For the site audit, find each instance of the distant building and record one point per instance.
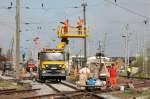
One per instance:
(94, 59)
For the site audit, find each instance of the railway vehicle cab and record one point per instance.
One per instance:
(52, 64)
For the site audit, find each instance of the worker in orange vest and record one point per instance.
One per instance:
(113, 75)
(80, 25)
(23, 72)
(31, 71)
(75, 72)
(66, 26)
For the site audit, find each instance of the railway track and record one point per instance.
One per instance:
(132, 77)
(6, 90)
(18, 91)
(61, 90)
(66, 90)
(15, 93)
(138, 82)
(142, 84)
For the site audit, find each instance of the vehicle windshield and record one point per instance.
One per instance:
(52, 56)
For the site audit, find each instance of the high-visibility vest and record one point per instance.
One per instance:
(23, 72)
(80, 23)
(66, 25)
(113, 72)
(129, 69)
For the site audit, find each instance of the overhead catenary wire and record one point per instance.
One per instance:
(68, 7)
(115, 3)
(127, 9)
(42, 7)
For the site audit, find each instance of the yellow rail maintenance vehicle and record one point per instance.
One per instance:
(52, 64)
(52, 61)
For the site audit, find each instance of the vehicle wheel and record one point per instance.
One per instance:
(42, 80)
(59, 80)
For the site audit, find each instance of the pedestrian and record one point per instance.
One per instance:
(128, 72)
(113, 75)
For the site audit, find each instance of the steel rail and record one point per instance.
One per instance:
(18, 91)
(73, 87)
(5, 90)
(143, 78)
(55, 89)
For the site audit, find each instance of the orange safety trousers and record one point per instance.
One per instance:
(23, 72)
(113, 81)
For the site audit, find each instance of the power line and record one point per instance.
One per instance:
(32, 8)
(127, 9)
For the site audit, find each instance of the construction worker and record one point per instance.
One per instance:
(4, 69)
(33, 75)
(31, 72)
(84, 74)
(128, 72)
(23, 72)
(80, 25)
(113, 75)
(66, 26)
(104, 73)
(76, 70)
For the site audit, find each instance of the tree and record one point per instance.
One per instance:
(139, 61)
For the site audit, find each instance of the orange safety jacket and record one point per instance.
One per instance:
(80, 23)
(113, 72)
(66, 26)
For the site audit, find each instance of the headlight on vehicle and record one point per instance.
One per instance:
(44, 71)
(46, 65)
(63, 72)
(58, 71)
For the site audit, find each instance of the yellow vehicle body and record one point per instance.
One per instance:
(52, 64)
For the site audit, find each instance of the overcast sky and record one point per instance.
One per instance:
(103, 17)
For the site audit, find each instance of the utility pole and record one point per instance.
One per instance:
(126, 36)
(104, 47)
(98, 57)
(17, 38)
(84, 4)
(144, 50)
(100, 51)
(127, 42)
